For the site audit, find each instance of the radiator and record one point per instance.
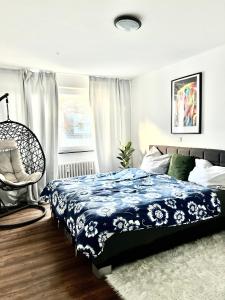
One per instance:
(76, 169)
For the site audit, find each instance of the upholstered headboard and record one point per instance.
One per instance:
(216, 157)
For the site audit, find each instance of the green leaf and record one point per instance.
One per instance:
(120, 158)
(129, 144)
(125, 154)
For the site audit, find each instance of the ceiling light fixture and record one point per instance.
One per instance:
(127, 23)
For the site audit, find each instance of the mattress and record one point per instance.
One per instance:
(95, 207)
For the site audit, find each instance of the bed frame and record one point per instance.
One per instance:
(128, 246)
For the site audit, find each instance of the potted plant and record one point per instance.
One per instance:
(125, 154)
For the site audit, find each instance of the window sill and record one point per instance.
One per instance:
(74, 151)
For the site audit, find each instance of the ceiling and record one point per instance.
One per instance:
(78, 36)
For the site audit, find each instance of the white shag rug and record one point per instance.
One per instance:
(192, 271)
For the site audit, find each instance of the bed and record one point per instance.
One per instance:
(120, 216)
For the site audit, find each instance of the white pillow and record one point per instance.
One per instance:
(204, 173)
(202, 163)
(153, 152)
(155, 162)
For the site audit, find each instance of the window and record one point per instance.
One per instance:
(75, 126)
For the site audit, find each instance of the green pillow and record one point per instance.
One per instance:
(180, 166)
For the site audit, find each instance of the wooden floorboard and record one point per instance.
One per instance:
(38, 262)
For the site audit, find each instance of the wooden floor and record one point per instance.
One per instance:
(38, 262)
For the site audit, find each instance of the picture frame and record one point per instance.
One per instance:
(186, 104)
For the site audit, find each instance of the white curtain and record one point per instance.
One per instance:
(10, 83)
(110, 101)
(40, 107)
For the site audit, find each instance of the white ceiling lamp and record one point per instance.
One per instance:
(127, 23)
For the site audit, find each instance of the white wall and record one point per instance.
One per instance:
(151, 104)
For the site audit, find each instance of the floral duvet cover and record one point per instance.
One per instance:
(94, 207)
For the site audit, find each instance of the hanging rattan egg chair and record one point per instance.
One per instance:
(22, 163)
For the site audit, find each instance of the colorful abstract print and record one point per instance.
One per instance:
(186, 105)
(95, 207)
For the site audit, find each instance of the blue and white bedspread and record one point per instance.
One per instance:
(94, 207)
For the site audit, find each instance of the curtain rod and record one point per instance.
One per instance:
(65, 73)
(15, 68)
(22, 68)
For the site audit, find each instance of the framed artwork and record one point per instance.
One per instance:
(186, 100)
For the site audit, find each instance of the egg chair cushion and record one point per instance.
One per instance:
(14, 197)
(12, 171)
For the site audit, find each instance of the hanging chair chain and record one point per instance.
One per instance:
(5, 96)
(7, 106)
